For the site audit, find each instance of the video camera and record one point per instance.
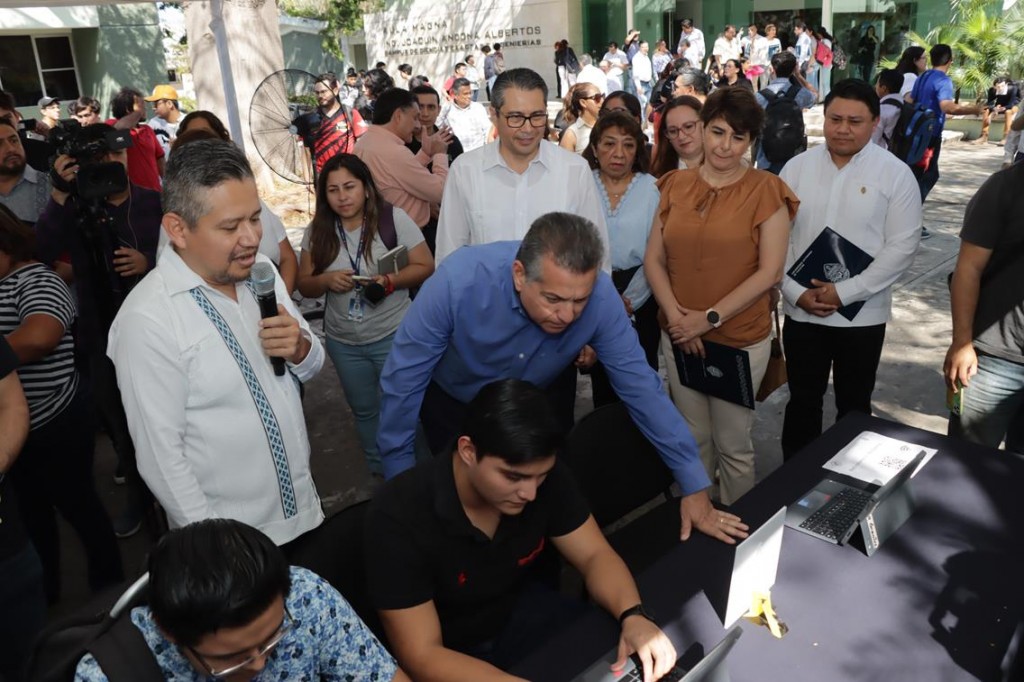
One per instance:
(95, 179)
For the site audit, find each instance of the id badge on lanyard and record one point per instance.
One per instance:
(355, 304)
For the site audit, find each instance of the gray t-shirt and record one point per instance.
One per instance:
(379, 320)
(995, 220)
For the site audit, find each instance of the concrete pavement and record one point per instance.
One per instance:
(909, 387)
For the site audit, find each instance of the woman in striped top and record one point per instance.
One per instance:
(54, 470)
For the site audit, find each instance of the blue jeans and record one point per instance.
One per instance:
(359, 369)
(993, 405)
(824, 82)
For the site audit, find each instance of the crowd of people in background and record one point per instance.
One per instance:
(473, 261)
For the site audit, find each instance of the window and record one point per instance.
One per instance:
(38, 66)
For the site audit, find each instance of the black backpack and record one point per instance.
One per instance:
(783, 136)
(103, 629)
(914, 131)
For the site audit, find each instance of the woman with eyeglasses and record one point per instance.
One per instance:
(716, 249)
(351, 229)
(617, 153)
(732, 75)
(581, 107)
(680, 137)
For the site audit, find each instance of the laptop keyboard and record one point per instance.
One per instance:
(835, 517)
(635, 673)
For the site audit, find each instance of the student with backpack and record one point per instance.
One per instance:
(352, 228)
(887, 87)
(784, 101)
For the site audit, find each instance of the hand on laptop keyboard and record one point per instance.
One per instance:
(645, 640)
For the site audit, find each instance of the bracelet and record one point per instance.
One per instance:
(637, 610)
(389, 285)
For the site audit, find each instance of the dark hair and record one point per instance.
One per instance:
(855, 89)
(572, 103)
(628, 99)
(627, 124)
(417, 81)
(123, 102)
(512, 419)
(941, 55)
(907, 59)
(193, 135)
(459, 83)
(613, 44)
(800, 25)
(891, 80)
(329, 78)
(572, 241)
(823, 33)
(207, 116)
(74, 106)
(457, 66)
(389, 102)
(7, 101)
(425, 90)
(520, 79)
(666, 158)
(324, 243)
(16, 239)
(8, 120)
(214, 574)
(687, 23)
(737, 64)
(196, 168)
(497, 47)
(736, 106)
(783, 64)
(351, 73)
(405, 68)
(380, 65)
(377, 81)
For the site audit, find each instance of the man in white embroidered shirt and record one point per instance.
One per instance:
(870, 198)
(193, 360)
(495, 192)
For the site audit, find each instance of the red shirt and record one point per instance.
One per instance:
(337, 135)
(142, 157)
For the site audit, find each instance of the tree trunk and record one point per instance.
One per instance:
(249, 50)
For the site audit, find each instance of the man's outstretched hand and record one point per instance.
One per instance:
(697, 512)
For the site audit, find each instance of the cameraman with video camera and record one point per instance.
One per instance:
(111, 228)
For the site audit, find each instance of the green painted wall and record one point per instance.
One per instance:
(303, 51)
(126, 50)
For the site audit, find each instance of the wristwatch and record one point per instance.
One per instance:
(714, 319)
(637, 610)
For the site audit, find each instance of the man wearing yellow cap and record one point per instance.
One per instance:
(165, 123)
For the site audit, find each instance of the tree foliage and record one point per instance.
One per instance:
(342, 17)
(986, 43)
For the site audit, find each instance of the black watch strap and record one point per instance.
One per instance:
(637, 610)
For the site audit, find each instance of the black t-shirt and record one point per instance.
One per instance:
(995, 220)
(421, 546)
(454, 149)
(12, 535)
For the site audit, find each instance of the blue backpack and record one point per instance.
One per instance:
(914, 131)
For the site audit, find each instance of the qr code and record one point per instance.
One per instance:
(890, 462)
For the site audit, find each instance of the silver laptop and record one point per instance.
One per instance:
(711, 668)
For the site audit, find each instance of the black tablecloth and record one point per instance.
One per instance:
(940, 600)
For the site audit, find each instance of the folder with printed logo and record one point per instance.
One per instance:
(831, 257)
(723, 372)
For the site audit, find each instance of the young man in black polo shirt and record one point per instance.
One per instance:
(453, 541)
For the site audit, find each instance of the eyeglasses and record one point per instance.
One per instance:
(320, 92)
(537, 119)
(287, 624)
(687, 128)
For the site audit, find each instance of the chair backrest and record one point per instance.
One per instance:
(616, 467)
(337, 557)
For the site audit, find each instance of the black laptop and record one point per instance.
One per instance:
(833, 511)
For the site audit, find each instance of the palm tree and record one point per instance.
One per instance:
(986, 43)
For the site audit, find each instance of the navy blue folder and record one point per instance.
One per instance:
(831, 257)
(723, 373)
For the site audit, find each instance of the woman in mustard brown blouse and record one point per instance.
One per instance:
(716, 249)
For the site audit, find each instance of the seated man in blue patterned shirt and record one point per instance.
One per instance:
(224, 605)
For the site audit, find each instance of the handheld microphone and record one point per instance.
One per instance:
(263, 278)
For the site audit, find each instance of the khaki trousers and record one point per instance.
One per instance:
(721, 428)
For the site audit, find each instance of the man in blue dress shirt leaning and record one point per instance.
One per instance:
(523, 310)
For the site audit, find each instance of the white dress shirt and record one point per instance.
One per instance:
(697, 48)
(887, 119)
(759, 51)
(874, 202)
(199, 439)
(726, 49)
(643, 69)
(486, 201)
(595, 76)
(470, 125)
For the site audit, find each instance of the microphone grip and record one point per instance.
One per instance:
(268, 308)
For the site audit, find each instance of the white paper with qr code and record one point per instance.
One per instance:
(874, 458)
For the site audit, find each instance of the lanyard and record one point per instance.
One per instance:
(359, 249)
